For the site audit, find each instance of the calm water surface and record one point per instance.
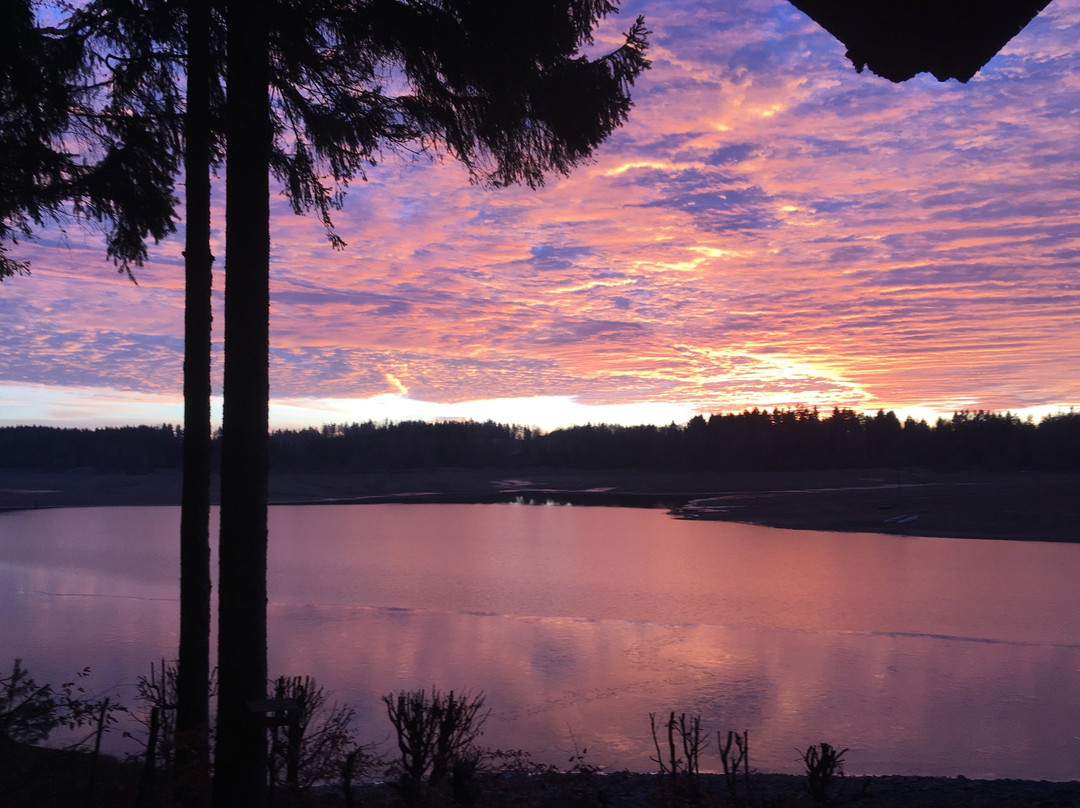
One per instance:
(924, 656)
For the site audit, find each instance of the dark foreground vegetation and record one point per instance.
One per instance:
(434, 759)
(754, 440)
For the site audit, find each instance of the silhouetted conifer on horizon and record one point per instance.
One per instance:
(753, 440)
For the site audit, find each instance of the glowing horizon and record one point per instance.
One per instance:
(770, 229)
(83, 408)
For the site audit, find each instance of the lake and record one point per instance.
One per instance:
(922, 656)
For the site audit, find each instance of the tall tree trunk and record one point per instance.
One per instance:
(240, 760)
(193, 677)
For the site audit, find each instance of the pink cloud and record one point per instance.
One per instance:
(770, 228)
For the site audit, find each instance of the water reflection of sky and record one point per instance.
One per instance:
(921, 655)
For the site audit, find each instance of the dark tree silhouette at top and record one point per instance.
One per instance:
(503, 88)
(123, 171)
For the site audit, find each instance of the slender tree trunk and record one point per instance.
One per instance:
(193, 677)
(240, 761)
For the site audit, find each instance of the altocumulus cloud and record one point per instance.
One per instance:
(770, 228)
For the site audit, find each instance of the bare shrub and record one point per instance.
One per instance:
(158, 693)
(317, 744)
(29, 712)
(683, 747)
(736, 764)
(824, 763)
(436, 738)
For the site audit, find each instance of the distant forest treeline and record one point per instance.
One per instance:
(754, 440)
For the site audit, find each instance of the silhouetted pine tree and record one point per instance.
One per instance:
(502, 87)
(50, 99)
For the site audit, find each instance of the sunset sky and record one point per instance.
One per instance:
(769, 229)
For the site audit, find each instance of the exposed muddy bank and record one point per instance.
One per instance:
(1015, 505)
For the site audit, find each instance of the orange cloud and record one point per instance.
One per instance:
(769, 229)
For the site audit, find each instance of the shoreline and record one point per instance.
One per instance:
(645, 790)
(120, 781)
(118, 784)
(1019, 506)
